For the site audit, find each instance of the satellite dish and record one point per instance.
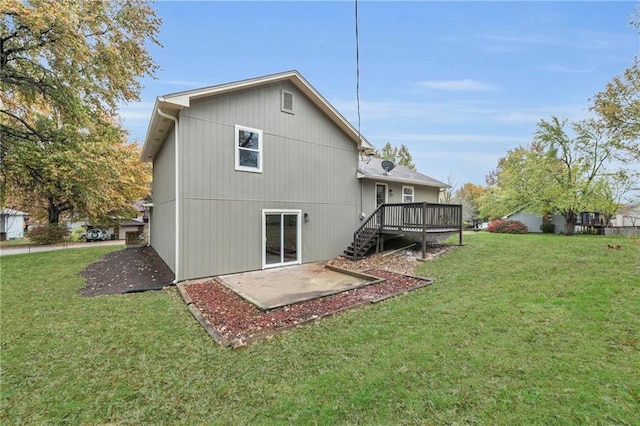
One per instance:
(387, 166)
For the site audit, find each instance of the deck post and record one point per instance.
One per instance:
(460, 225)
(424, 229)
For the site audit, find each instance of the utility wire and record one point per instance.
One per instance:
(357, 71)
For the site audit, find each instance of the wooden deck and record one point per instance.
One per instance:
(423, 219)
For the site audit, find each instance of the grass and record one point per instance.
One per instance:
(517, 329)
(15, 242)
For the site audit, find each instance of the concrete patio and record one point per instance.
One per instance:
(276, 287)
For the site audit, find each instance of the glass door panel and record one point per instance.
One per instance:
(273, 248)
(289, 238)
(381, 194)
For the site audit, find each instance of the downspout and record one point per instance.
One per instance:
(177, 184)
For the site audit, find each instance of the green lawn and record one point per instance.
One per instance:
(517, 329)
(16, 242)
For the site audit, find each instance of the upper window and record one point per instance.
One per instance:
(248, 147)
(407, 194)
(287, 102)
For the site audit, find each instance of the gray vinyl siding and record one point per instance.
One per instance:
(424, 193)
(164, 197)
(534, 221)
(308, 164)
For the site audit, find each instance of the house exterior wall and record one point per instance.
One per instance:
(534, 222)
(309, 164)
(12, 226)
(420, 194)
(164, 198)
(122, 231)
(558, 221)
(628, 216)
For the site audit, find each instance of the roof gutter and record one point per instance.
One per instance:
(177, 184)
(380, 178)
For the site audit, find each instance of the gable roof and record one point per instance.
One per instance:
(12, 212)
(172, 104)
(371, 168)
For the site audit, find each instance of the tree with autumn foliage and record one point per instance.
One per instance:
(94, 175)
(469, 196)
(618, 105)
(567, 170)
(64, 69)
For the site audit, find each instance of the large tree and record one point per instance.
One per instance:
(563, 171)
(64, 69)
(619, 105)
(90, 175)
(399, 155)
(512, 184)
(469, 196)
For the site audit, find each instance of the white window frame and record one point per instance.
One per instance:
(413, 193)
(282, 107)
(298, 213)
(237, 148)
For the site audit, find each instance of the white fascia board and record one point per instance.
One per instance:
(405, 181)
(154, 138)
(179, 100)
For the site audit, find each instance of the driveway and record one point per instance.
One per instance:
(36, 249)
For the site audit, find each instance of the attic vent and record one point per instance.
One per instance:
(287, 102)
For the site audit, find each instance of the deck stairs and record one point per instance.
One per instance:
(364, 239)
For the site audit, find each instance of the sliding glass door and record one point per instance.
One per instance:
(281, 234)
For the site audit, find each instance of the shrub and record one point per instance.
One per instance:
(507, 227)
(78, 234)
(548, 228)
(48, 234)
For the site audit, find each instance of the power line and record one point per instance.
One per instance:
(357, 70)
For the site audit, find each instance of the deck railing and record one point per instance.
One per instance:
(412, 217)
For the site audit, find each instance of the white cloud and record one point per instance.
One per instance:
(458, 112)
(454, 138)
(563, 69)
(426, 112)
(188, 83)
(464, 85)
(534, 115)
(136, 112)
(581, 40)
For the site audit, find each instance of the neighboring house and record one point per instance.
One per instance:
(585, 222)
(628, 215)
(626, 221)
(136, 224)
(125, 226)
(534, 222)
(261, 173)
(118, 230)
(12, 224)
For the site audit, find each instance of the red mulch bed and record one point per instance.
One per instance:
(233, 321)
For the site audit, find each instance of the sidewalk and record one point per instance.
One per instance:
(37, 249)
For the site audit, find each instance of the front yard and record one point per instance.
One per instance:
(516, 329)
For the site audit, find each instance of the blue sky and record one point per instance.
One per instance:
(459, 83)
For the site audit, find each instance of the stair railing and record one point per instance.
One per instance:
(374, 221)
